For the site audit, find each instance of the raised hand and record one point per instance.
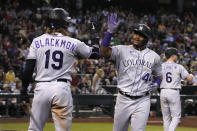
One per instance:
(113, 22)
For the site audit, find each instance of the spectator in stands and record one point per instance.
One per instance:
(186, 58)
(10, 76)
(2, 75)
(108, 69)
(81, 67)
(84, 86)
(193, 52)
(18, 86)
(19, 25)
(91, 68)
(88, 80)
(75, 82)
(6, 42)
(113, 77)
(6, 88)
(96, 81)
(193, 69)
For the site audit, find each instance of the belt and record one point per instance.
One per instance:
(61, 80)
(177, 89)
(132, 97)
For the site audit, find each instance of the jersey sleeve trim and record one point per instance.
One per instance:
(31, 57)
(112, 54)
(90, 53)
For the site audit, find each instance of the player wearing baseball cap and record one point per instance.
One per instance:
(135, 64)
(173, 73)
(53, 55)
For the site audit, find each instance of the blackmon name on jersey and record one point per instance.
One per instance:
(55, 42)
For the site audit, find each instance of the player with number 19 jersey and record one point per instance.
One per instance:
(59, 53)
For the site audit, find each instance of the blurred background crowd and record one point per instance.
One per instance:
(21, 21)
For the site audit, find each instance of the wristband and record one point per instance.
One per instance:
(106, 39)
(158, 81)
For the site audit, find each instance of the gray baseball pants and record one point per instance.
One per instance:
(131, 111)
(51, 97)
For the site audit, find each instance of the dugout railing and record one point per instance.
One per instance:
(107, 101)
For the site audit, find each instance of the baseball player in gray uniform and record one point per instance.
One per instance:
(53, 54)
(170, 89)
(135, 65)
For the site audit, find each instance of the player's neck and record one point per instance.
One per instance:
(170, 60)
(59, 30)
(140, 48)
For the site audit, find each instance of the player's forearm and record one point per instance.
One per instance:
(93, 83)
(95, 54)
(158, 80)
(105, 49)
(27, 74)
(191, 79)
(95, 80)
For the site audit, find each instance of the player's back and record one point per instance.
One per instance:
(55, 56)
(172, 75)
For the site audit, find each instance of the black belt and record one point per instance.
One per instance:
(132, 97)
(61, 80)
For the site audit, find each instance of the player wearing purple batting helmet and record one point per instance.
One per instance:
(135, 64)
(141, 34)
(53, 55)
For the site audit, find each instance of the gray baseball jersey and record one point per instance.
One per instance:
(59, 53)
(172, 75)
(135, 68)
(170, 94)
(55, 56)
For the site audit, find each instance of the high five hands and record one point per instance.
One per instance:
(113, 22)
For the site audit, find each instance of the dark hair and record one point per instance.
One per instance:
(58, 18)
(10, 68)
(171, 51)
